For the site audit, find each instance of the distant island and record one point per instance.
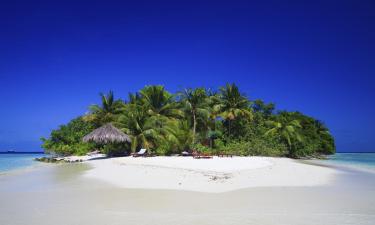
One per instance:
(223, 121)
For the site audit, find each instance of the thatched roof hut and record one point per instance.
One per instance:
(107, 134)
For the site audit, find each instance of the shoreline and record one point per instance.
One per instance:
(64, 194)
(215, 175)
(25, 169)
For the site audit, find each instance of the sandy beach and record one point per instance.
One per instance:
(146, 191)
(208, 175)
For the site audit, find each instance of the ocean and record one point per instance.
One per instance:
(361, 161)
(14, 161)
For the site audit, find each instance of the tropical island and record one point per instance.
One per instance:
(210, 112)
(223, 121)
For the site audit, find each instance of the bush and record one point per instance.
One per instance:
(163, 149)
(67, 140)
(201, 148)
(256, 147)
(82, 148)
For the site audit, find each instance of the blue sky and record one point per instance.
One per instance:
(312, 56)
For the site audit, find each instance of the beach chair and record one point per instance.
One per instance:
(142, 152)
(199, 155)
(223, 154)
(93, 153)
(186, 153)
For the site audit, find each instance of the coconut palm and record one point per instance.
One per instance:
(321, 128)
(213, 99)
(160, 103)
(107, 111)
(195, 104)
(142, 128)
(287, 129)
(232, 104)
(181, 135)
(266, 109)
(135, 98)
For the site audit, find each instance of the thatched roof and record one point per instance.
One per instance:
(107, 134)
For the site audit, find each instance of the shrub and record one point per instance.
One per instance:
(201, 148)
(163, 149)
(254, 147)
(67, 140)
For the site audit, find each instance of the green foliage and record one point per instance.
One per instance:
(286, 127)
(195, 102)
(256, 147)
(231, 106)
(201, 148)
(146, 131)
(67, 140)
(105, 113)
(164, 148)
(304, 135)
(158, 102)
(232, 103)
(180, 137)
(265, 109)
(205, 120)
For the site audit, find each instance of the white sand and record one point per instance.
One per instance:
(63, 195)
(208, 175)
(82, 158)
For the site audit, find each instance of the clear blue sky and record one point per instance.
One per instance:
(317, 57)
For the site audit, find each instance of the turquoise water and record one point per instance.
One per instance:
(365, 161)
(10, 162)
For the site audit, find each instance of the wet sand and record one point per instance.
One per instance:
(62, 195)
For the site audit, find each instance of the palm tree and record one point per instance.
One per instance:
(195, 103)
(266, 109)
(181, 136)
(327, 143)
(286, 128)
(232, 104)
(142, 127)
(159, 102)
(105, 112)
(150, 117)
(135, 98)
(321, 128)
(213, 99)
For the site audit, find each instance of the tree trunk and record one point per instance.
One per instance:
(230, 126)
(194, 125)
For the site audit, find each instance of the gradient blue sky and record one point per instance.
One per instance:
(317, 57)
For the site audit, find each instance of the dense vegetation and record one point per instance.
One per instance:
(223, 121)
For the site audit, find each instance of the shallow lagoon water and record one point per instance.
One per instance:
(361, 161)
(9, 162)
(60, 195)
